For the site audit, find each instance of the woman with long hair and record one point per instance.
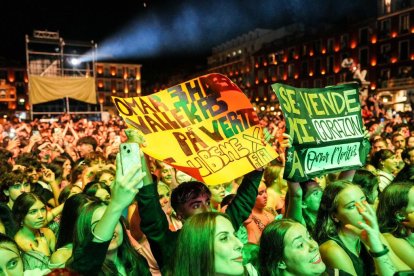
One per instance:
(100, 243)
(36, 241)
(71, 210)
(207, 245)
(287, 248)
(120, 257)
(348, 233)
(396, 219)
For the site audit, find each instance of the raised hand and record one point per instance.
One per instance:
(126, 185)
(369, 231)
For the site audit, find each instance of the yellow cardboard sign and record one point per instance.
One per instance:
(205, 127)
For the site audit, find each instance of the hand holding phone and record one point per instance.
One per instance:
(130, 157)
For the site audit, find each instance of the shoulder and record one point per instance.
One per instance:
(59, 257)
(22, 241)
(48, 233)
(336, 257)
(332, 251)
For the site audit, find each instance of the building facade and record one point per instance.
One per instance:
(116, 79)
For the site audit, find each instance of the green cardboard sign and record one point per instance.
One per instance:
(326, 127)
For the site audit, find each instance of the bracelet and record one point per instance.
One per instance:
(381, 253)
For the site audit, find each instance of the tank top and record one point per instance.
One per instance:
(363, 264)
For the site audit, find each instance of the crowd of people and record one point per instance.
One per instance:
(67, 207)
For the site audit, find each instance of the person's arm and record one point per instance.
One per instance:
(371, 237)
(154, 223)
(54, 213)
(241, 206)
(401, 248)
(122, 194)
(294, 209)
(49, 178)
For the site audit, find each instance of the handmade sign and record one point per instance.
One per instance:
(326, 127)
(205, 127)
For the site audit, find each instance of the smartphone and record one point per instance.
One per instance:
(117, 140)
(57, 130)
(36, 132)
(130, 157)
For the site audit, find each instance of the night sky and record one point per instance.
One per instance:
(166, 34)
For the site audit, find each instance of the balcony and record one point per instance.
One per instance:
(397, 83)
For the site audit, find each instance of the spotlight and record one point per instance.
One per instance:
(74, 61)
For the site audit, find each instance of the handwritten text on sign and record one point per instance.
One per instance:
(326, 128)
(205, 127)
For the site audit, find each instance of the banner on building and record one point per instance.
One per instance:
(326, 127)
(205, 127)
(46, 89)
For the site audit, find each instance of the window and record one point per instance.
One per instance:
(344, 41)
(317, 66)
(291, 70)
(260, 91)
(403, 50)
(260, 74)
(304, 50)
(304, 84)
(304, 68)
(330, 45)
(3, 74)
(317, 46)
(280, 71)
(329, 64)
(363, 36)
(404, 23)
(385, 53)
(291, 53)
(363, 57)
(385, 28)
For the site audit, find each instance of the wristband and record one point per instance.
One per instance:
(381, 253)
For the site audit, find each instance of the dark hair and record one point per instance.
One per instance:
(227, 200)
(92, 187)
(94, 156)
(9, 179)
(22, 206)
(8, 221)
(194, 253)
(64, 194)
(187, 191)
(368, 182)
(59, 161)
(391, 209)
(101, 172)
(406, 153)
(272, 246)
(325, 225)
(29, 160)
(380, 156)
(71, 210)
(88, 140)
(133, 262)
(271, 173)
